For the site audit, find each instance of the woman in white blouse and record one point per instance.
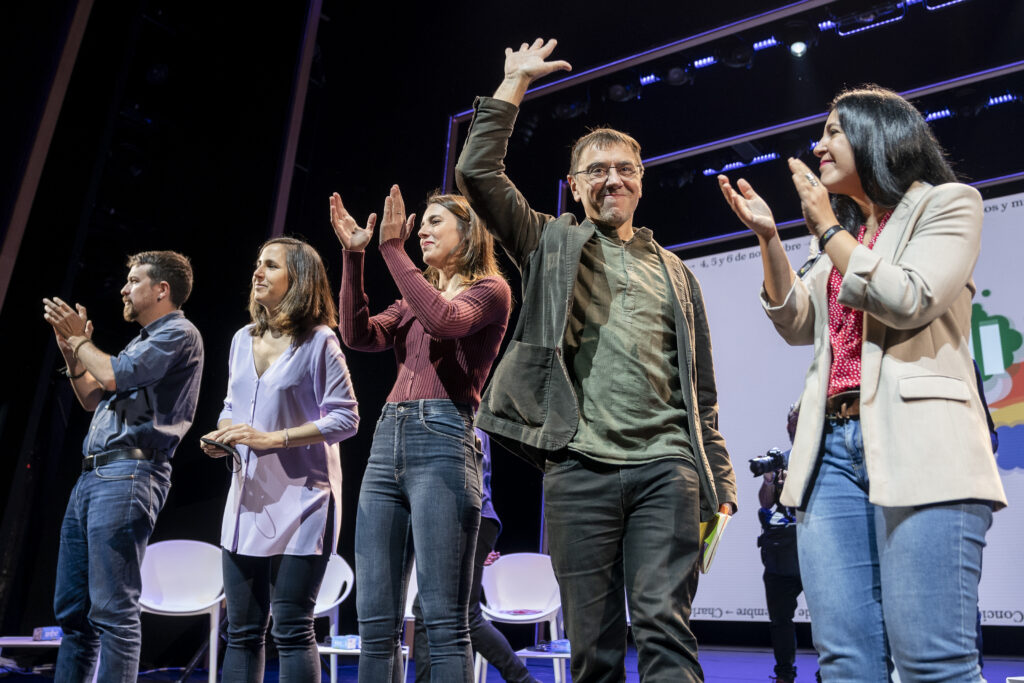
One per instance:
(289, 403)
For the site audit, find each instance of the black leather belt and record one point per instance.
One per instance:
(90, 462)
(844, 406)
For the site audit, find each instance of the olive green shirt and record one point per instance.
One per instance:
(621, 351)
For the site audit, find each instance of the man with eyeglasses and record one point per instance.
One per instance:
(608, 387)
(143, 400)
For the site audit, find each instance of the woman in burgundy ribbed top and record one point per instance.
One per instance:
(420, 494)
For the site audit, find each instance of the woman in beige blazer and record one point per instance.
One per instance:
(892, 465)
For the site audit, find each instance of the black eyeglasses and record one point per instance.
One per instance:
(599, 172)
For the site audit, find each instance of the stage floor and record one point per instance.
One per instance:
(721, 665)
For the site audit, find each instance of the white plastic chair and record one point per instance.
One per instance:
(521, 588)
(182, 579)
(338, 581)
(336, 586)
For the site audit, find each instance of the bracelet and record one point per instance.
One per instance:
(286, 438)
(79, 345)
(66, 371)
(827, 235)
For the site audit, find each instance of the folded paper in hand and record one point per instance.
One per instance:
(710, 535)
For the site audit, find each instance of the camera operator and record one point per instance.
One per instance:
(778, 554)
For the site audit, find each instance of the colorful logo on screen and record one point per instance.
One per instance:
(995, 344)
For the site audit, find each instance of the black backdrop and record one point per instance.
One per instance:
(172, 135)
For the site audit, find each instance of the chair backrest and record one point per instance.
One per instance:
(521, 581)
(336, 586)
(181, 576)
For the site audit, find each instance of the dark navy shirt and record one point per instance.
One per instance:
(157, 377)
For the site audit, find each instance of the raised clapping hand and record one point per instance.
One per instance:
(394, 224)
(814, 200)
(528, 62)
(754, 211)
(351, 236)
(66, 322)
(749, 207)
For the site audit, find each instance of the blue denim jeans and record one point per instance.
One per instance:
(420, 496)
(888, 582)
(102, 540)
(486, 640)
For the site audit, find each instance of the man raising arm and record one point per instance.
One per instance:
(608, 386)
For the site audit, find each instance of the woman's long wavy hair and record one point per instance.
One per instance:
(308, 302)
(893, 146)
(475, 256)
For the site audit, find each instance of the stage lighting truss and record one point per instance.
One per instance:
(728, 48)
(733, 165)
(753, 156)
(972, 110)
(930, 115)
(879, 15)
(1005, 98)
(799, 36)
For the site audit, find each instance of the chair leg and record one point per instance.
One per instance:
(333, 616)
(214, 641)
(479, 668)
(555, 631)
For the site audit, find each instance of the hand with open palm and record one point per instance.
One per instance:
(351, 236)
(749, 207)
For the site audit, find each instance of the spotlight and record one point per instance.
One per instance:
(798, 36)
(1002, 99)
(570, 110)
(623, 92)
(735, 52)
(936, 115)
(880, 15)
(679, 75)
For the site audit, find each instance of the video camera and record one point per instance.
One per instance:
(773, 460)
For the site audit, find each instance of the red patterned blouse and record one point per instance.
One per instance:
(846, 328)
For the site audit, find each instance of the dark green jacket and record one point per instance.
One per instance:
(529, 405)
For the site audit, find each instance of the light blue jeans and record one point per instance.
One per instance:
(420, 496)
(888, 582)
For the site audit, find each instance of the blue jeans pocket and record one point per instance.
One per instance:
(117, 471)
(447, 426)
